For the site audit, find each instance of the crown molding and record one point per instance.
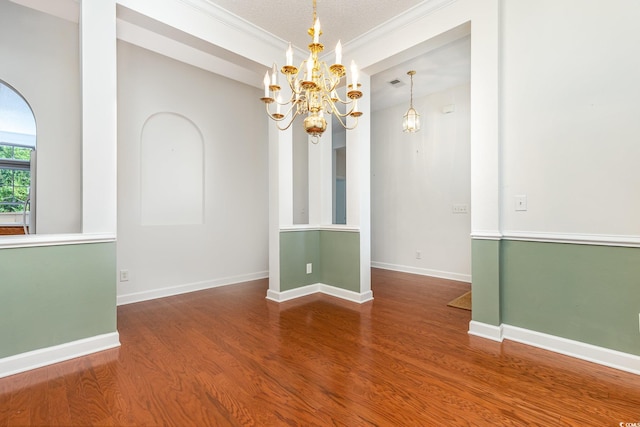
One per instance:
(232, 20)
(409, 16)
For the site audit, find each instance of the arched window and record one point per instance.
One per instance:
(17, 146)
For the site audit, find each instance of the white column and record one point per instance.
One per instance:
(320, 182)
(280, 195)
(359, 181)
(99, 90)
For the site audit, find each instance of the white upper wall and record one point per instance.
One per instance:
(228, 242)
(570, 125)
(416, 181)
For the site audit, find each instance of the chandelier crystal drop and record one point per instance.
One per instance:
(411, 120)
(314, 89)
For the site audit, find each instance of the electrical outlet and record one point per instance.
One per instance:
(418, 255)
(309, 268)
(460, 209)
(124, 275)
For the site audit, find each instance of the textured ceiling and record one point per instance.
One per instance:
(339, 19)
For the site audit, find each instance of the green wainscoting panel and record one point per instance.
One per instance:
(584, 293)
(335, 256)
(53, 295)
(485, 295)
(340, 257)
(297, 248)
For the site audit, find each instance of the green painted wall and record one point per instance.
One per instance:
(297, 248)
(340, 258)
(335, 256)
(580, 292)
(56, 294)
(485, 298)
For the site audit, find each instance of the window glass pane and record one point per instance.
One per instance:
(14, 189)
(17, 125)
(21, 153)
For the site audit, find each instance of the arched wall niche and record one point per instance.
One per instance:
(171, 171)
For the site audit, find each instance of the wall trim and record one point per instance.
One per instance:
(486, 235)
(570, 238)
(591, 353)
(58, 353)
(328, 227)
(37, 240)
(484, 330)
(423, 271)
(134, 297)
(320, 288)
(573, 238)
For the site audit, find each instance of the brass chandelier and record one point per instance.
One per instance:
(313, 89)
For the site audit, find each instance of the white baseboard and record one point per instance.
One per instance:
(47, 356)
(485, 330)
(293, 293)
(423, 271)
(603, 356)
(188, 287)
(591, 353)
(321, 288)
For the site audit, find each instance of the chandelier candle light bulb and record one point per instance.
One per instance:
(266, 84)
(316, 31)
(354, 75)
(313, 88)
(274, 75)
(290, 55)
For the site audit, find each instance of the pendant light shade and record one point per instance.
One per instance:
(411, 121)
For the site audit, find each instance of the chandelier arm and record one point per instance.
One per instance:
(291, 79)
(340, 116)
(344, 125)
(293, 118)
(345, 102)
(332, 78)
(272, 117)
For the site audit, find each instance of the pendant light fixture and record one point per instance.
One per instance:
(411, 122)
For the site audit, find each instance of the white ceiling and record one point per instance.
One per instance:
(438, 66)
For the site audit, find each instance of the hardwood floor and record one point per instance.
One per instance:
(228, 356)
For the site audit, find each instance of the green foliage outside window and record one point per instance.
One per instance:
(14, 183)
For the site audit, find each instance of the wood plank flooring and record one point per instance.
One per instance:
(229, 357)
